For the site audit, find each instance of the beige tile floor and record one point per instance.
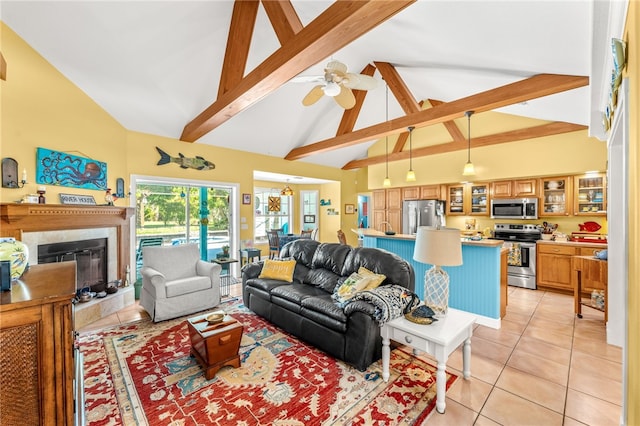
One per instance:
(543, 367)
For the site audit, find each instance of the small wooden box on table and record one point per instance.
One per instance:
(215, 345)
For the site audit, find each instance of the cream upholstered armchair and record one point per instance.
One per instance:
(176, 282)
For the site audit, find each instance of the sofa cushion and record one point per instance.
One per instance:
(296, 292)
(187, 285)
(331, 256)
(264, 284)
(322, 310)
(301, 250)
(278, 269)
(397, 270)
(322, 278)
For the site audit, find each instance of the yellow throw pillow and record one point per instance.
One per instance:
(278, 269)
(375, 279)
(353, 284)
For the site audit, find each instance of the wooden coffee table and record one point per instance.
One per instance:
(215, 345)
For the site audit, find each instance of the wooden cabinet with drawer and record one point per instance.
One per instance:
(553, 269)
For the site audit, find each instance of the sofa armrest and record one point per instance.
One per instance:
(154, 282)
(208, 269)
(252, 270)
(359, 306)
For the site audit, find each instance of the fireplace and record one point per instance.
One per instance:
(90, 256)
(43, 224)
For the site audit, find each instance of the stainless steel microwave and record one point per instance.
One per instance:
(514, 208)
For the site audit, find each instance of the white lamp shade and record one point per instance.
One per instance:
(439, 247)
(469, 170)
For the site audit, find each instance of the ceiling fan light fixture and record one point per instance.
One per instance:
(468, 170)
(331, 89)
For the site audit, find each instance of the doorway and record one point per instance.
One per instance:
(176, 211)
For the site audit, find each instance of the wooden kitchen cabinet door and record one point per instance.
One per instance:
(394, 198)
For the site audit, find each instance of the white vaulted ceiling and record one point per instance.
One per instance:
(156, 65)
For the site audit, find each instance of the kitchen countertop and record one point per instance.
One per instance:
(573, 243)
(366, 232)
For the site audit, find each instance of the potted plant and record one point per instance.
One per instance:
(225, 250)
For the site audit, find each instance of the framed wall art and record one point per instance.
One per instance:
(60, 168)
(349, 208)
(246, 198)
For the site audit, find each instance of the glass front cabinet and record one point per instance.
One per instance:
(590, 193)
(555, 195)
(468, 199)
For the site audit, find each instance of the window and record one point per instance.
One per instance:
(309, 209)
(264, 219)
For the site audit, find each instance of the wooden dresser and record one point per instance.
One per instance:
(36, 347)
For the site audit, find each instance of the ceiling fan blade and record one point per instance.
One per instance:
(313, 96)
(345, 98)
(307, 79)
(336, 66)
(360, 82)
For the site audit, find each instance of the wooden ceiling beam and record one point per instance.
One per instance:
(531, 88)
(340, 24)
(403, 137)
(284, 19)
(451, 125)
(243, 20)
(350, 116)
(398, 87)
(549, 129)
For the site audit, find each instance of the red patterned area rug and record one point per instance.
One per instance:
(142, 374)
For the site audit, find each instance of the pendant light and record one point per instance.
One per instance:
(287, 191)
(411, 175)
(468, 168)
(386, 182)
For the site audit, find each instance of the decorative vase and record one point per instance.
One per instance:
(17, 253)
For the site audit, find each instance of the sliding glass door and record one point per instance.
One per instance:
(171, 213)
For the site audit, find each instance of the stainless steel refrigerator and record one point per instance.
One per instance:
(422, 213)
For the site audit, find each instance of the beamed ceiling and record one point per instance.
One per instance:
(219, 72)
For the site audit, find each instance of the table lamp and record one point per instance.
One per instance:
(438, 247)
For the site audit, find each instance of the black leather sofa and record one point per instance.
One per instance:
(305, 307)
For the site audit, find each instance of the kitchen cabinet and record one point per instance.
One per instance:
(425, 192)
(590, 195)
(36, 335)
(553, 269)
(514, 188)
(468, 199)
(556, 195)
(433, 192)
(387, 207)
(411, 193)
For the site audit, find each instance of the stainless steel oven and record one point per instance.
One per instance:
(521, 259)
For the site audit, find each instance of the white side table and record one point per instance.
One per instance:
(438, 339)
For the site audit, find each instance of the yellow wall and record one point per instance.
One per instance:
(42, 108)
(632, 36)
(571, 153)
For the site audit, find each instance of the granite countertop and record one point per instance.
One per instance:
(378, 234)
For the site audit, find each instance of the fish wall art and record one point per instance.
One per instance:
(196, 162)
(60, 168)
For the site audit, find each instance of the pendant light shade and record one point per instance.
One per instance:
(411, 175)
(469, 170)
(286, 191)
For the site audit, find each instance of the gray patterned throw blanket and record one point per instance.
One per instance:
(389, 301)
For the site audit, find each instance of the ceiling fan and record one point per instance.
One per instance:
(337, 83)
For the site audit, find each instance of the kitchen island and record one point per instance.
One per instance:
(474, 286)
